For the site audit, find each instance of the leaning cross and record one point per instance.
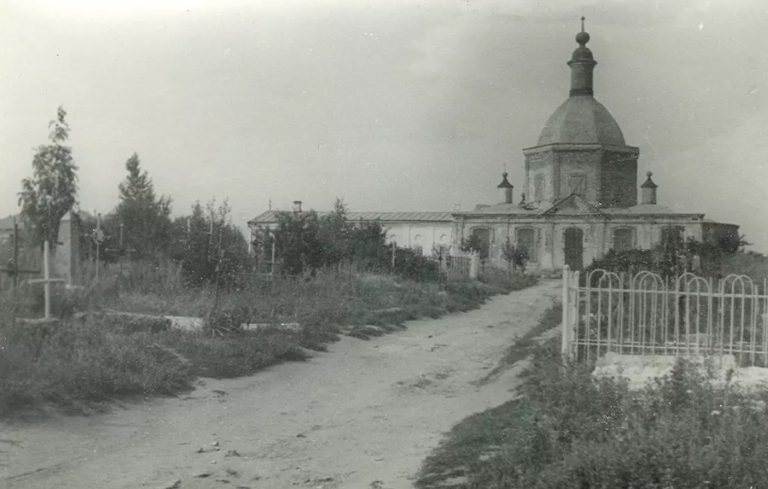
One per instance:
(46, 281)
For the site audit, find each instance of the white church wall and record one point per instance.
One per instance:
(427, 236)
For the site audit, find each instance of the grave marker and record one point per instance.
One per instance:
(46, 280)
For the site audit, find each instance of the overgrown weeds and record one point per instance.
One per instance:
(570, 431)
(94, 357)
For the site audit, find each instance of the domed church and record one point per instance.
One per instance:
(580, 195)
(579, 199)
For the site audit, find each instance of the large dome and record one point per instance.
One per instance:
(582, 120)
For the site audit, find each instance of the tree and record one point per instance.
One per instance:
(52, 191)
(472, 244)
(145, 218)
(515, 258)
(298, 242)
(333, 234)
(209, 247)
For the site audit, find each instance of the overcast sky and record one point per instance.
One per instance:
(391, 105)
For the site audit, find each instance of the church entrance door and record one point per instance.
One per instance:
(573, 248)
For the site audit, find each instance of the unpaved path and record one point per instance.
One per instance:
(363, 415)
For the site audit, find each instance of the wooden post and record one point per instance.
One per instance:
(564, 347)
(272, 264)
(15, 253)
(474, 266)
(47, 278)
(97, 236)
(394, 247)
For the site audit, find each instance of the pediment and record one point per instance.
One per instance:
(573, 205)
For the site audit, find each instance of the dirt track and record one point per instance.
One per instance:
(363, 415)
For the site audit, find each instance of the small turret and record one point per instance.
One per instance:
(506, 189)
(648, 191)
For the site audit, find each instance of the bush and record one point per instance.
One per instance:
(671, 258)
(209, 248)
(412, 265)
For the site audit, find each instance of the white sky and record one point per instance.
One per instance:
(391, 105)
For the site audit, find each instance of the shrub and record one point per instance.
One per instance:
(673, 257)
(209, 248)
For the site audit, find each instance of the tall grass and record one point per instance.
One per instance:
(87, 358)
(569, 431)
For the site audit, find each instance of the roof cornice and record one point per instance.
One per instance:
(580, 147)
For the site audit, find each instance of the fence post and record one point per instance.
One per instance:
(474, 266)
(565, 346)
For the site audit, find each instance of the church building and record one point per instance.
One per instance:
(579, 200)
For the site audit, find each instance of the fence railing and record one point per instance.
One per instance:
(646, 314)
(470, 266)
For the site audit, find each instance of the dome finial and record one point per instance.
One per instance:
(582, 37)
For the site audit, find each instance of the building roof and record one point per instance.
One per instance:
(581, 120)
(649, 210)
(504, 182)
(576, 205)
(649, 183)
(499, 209)
(270, 217)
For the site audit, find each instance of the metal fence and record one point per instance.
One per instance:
(462, 266)
(646, 314)
(456, 266)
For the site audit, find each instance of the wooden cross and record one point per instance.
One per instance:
(121, 250)
(46, 280)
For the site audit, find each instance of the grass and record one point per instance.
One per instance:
(524, 345)
(86, 360)
(569, 431)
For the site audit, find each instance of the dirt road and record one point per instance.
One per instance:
(363, 415)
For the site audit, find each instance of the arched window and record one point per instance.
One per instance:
(623, 239)
(525, 239)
